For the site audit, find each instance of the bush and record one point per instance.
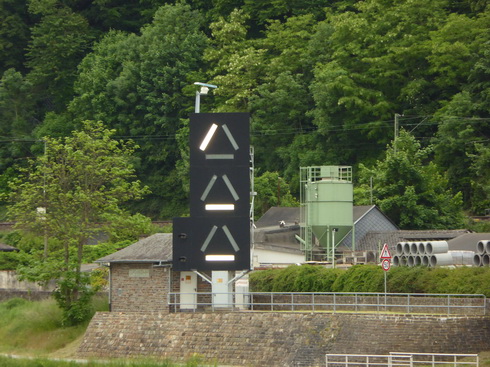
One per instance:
(434, 280)
(11, 260)
(262, 280)
(370, 278)
(315, 278)
(403, 279)
(360, 278)
(74, 296)
(463, 280)
(286, 282)
(294, 278)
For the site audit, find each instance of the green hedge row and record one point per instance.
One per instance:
(370, 278)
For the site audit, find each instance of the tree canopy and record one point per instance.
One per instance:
(72, 193)
(409, 188)
(322, 81)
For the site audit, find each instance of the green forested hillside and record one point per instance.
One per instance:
(324, 82)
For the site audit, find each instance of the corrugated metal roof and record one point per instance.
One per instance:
(154, 249)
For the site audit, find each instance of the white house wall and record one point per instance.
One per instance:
(261, 257)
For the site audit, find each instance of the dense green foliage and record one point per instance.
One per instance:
(271, 190)
(71, 194)
(322, 81)
(370, 278)
(413, 194)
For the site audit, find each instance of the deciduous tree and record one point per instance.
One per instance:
(70, 194)
(409, 188)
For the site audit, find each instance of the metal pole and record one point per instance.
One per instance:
(395, 132)
(45, 254)
(371, 190)
(198, 102)
(385, 288)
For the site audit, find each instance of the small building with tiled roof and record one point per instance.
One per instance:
(141, 276)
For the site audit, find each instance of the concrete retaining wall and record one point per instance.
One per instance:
(278, 339)
(9, 280)
(6, 294)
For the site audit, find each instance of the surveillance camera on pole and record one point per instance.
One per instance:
(204, 90)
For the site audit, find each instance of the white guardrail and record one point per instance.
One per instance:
(401, 359)
(406, 303)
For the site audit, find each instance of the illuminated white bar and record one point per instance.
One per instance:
(220, 257)
(226, 207)
(208, 137)
(220, 156)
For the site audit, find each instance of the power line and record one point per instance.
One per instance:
(301, 130)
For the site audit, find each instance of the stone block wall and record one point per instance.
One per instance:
(278, 339)
(6, 294)
(139, 287)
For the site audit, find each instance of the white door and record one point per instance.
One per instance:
(188, 289)
(222, 290)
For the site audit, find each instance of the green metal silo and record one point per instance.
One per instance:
(326, 207)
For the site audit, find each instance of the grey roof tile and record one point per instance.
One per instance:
(156, 248)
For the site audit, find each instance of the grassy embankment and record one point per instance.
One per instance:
(33, 332)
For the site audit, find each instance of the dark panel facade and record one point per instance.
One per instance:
(216, 236)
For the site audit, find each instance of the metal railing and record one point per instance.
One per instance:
(399, 359)
(406, 303)
(446, 359)
(367, 360)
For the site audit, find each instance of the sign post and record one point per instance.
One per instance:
(385, 262)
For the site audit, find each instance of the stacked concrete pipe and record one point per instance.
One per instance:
(482, 255)
(426, 253)
(436, 253)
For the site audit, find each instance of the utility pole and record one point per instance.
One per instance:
(396, 132)
(371, 189)
(45, 254)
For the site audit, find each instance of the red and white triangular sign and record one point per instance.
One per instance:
(385, 253)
